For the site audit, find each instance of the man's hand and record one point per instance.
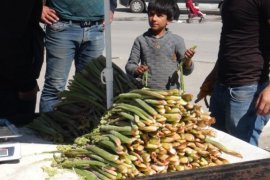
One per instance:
(205, 90)
(111, 16)
(48, 15)
(263, 102)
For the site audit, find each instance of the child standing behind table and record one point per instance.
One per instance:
(160, 51)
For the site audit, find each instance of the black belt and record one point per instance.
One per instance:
(235, 86)
(83, 23)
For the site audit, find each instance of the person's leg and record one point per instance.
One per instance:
(239, 116)
(260, 121)
(8, 103)
(242, 119)
(91, 47)
(18, 112)
(259, 124)
(25, 112)
(200, 14)
(26, 105)
(62, 40)
(217, 106)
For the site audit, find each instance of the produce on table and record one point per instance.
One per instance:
(146, 132)
(82, 105)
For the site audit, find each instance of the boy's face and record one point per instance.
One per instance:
(157, 22)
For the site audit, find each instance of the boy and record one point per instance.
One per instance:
(158, 51)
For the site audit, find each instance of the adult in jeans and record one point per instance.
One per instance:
(239, 82)
(74, 31)
(18, 72)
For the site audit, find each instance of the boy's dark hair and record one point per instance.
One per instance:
(168, 7)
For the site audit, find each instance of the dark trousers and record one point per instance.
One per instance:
(18, 112)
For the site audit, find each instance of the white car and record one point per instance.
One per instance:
(138, 6)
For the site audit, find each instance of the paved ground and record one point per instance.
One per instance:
(123, 14)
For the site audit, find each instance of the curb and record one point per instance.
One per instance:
(123, 14)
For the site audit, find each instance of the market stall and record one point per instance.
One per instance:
(169, 128)
(36, 155)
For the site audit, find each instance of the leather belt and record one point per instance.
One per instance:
(83, 23)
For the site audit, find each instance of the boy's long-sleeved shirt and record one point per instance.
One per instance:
(162, 56)
(80, 10)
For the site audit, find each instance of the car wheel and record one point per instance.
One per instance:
(137, 6)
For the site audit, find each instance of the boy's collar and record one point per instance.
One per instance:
(153, 35)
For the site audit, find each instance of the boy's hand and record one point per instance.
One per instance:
(188, 56)
(189, 53)
(141, 69)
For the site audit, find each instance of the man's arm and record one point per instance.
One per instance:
(113, 5)
(263, 101)
(208, 84)
(266, 10)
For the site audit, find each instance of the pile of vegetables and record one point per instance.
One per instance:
(146, 132)
(82, 104)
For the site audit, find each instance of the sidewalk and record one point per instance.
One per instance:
(208, 8)
(123, 13)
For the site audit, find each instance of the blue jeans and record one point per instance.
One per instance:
(235, 112)
(65, 42)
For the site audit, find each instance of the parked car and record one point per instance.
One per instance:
(138, 6)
